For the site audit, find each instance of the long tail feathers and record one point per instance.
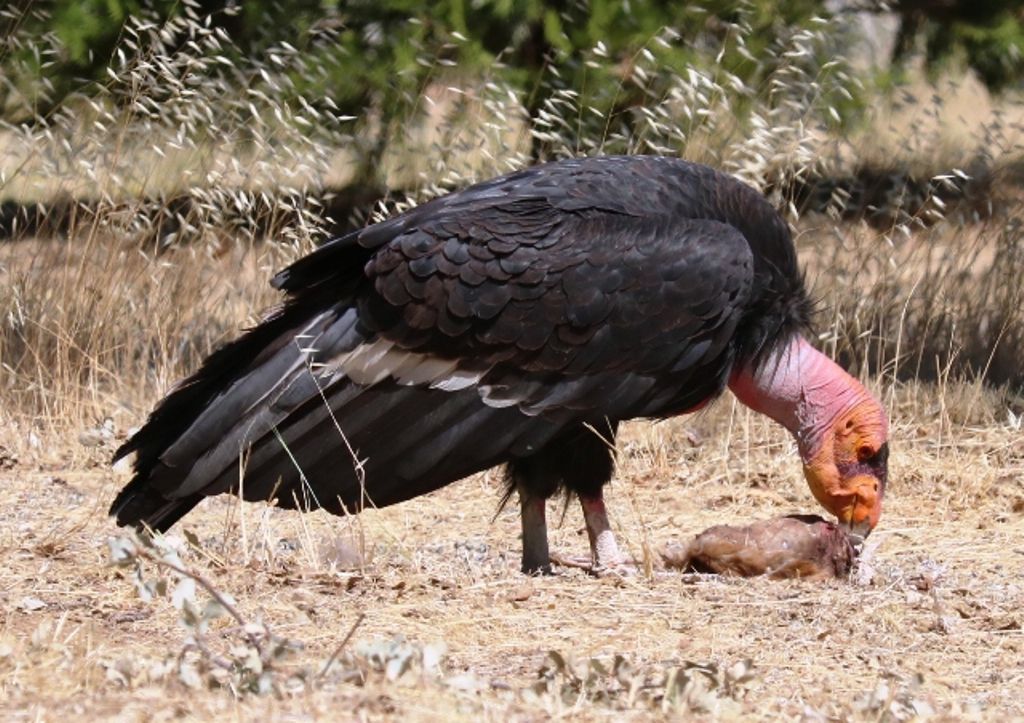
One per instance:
(310, 437)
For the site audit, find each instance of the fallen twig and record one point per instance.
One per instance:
(341, 646)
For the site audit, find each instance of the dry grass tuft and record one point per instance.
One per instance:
(96, 327)
(943, 303)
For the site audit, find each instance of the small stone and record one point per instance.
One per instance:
(31, 604)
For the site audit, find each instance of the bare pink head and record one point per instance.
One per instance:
(840, 428)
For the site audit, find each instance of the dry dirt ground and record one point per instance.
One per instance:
(930, 624)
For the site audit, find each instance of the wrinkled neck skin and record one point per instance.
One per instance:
(807, 393)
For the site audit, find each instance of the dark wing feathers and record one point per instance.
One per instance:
(472, 329)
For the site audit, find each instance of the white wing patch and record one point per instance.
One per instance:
(371, 363)
(458, 379)
(493, 397)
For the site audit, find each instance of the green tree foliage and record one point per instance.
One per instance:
(372, 59)
(987, 34)
(379, 53)
(85, 31)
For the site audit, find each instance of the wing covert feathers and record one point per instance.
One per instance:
(474, 329)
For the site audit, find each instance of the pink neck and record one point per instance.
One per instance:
(803, 390)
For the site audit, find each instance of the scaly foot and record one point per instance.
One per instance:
(623, 566)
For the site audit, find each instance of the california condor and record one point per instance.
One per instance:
(517, 321)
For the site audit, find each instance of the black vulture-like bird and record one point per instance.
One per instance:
(517, 321)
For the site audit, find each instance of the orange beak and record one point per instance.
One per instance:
(855, 500)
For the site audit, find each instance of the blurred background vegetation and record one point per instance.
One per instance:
(372, 50)
(373, 59)
(175, 136)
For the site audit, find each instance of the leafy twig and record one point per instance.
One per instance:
(213, 592)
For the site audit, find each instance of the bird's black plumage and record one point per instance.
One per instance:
(500, 323)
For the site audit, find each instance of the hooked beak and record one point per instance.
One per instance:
(856, 500)
(857, 531)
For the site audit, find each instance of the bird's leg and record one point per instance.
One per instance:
(606, 557)
(536, 558)
(604, 549)
(585, 460)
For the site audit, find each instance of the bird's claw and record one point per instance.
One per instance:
(619, 567)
